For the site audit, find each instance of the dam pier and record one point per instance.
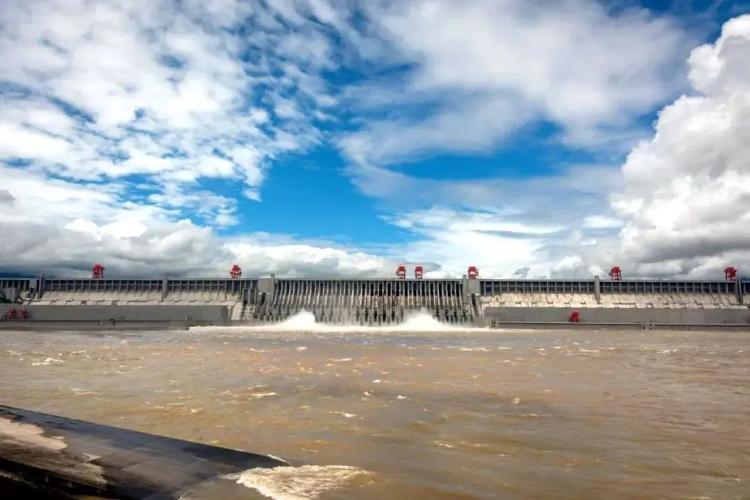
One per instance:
(374, 302)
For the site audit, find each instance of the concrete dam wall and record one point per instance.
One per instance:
(482, 302)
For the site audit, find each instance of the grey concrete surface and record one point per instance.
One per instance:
(49, 456)
(213, 314)
(601, 315)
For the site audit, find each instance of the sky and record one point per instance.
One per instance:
(331, 138)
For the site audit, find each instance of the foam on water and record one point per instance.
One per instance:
(297, 483)
(304, 321)
(48, 362)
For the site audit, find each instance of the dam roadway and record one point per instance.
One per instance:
(377, 302)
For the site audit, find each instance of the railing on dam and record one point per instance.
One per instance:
(100, 285)
(144, 285)
(20, 284)
(609, 293)
(496, 287)
(434, 291)
(659, 286)
(206, 285)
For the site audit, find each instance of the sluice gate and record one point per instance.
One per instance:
(363, 302)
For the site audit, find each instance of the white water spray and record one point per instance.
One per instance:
(298, 483)
(304, 321)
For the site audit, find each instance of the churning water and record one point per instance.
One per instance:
(304, 321)
(418, 410)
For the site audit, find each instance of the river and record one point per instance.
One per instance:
(425, 411)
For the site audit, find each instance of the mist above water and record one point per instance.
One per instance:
(304, 321)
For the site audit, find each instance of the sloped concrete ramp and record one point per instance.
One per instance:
(48, 456)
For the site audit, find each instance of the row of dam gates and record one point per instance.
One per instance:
(378, 301)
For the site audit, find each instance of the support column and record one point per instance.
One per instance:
(597, 289)
(267, 286)
(739, 291)
(164, 288)
(471, 287)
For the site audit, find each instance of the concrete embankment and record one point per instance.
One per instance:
(643, 318)
(49, 456)
(113, 314)
(184, 302)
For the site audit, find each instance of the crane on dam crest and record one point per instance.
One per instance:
(615, 274)
(97, 272)
(730, 273)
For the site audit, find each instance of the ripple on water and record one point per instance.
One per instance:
(48, 362)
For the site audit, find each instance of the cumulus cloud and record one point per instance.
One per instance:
(105, 91)
(112, 116)
(501, 225)
(62, 228)
(686, 197)
(505, 243)
(498, 243)
(116, 118)
(480, 70)
(679, 206)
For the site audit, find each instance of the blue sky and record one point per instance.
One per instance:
(340, 137)
(293, 207)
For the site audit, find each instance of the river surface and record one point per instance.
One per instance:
(408, 414)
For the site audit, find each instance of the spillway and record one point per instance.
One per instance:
(375, 302)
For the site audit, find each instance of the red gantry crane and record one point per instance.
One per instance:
(97, 272)
(401, 272)
(418, 272)
(473, 272)
(235, 272)
(730, 273)
(615, 274)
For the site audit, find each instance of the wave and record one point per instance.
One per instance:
(298, 483)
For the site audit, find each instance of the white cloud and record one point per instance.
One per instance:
(473, 125)
(113, 116)
(686, 196)
(104, 90)
(681, 202)
(62, 228)
(601, 222)
(482, 69)
(448, 241)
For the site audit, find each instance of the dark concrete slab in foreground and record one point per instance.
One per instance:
(53, 456)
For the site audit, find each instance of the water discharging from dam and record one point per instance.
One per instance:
(304, 321)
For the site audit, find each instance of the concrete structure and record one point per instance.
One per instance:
(49, 456)
(377, 301)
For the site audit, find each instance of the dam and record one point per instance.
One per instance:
(375, 302)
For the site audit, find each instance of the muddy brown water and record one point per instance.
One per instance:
(443, 414)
